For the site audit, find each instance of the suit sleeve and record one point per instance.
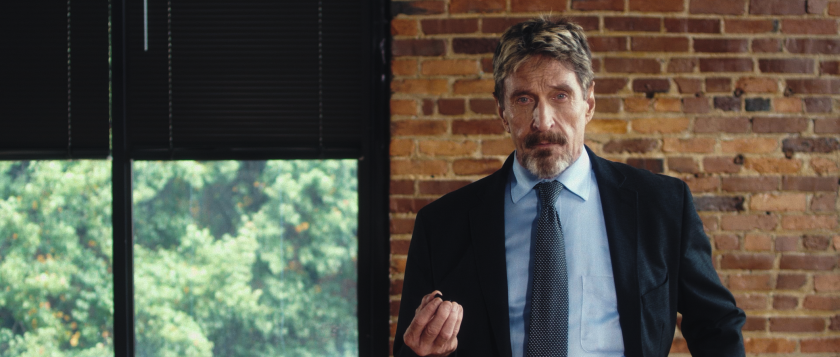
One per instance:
(711, 322)
(418, 281)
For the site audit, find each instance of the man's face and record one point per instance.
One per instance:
(545, 111)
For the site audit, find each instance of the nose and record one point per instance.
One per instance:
(543, 117)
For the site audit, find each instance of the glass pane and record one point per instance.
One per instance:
(55, 258)
(245, 258)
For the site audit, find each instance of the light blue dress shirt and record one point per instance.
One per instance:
(593, 310)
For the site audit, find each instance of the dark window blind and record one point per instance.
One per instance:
(220, 77)
(54, 89)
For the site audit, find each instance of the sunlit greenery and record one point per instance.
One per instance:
(231, 258)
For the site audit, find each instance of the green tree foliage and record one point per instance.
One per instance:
(231, 258)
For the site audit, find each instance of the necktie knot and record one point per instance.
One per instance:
(548, 192)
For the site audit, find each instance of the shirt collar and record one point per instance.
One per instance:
(576, 178)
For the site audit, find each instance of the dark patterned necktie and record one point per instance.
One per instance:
(548, 335)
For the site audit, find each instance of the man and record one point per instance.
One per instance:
(560, 252)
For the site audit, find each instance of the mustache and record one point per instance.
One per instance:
(532, 140)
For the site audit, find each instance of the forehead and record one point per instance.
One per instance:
(541, 72)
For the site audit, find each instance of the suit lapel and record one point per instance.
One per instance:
(487, 227)
(620, 217)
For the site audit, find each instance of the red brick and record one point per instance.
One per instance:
(476, 127)
(476, 6)
(816, 345)
(396, 289)
(487, 65)
(834, 9)
(610, 85)
(816, 302)
(771, 165)
(692, 25)
(750, 281)
(720, 45)
(797, 324)
(659, 44)
(474, 46)
(830, 67)
(751, 302)
(632, 65)
(808, 262)
(787, 65)
(408, 205)
(651, 85)
(748, 222)
(418, 47)
(824, 145)
(755, 323)
(630, 145)
(827, 126)
(766, 45)
(721, 125)
(594, 5)
(538, 5)
(417, 7)
(499, 24)
(483, 106)
(696, 105)
(719, 7)
(632, 24)
(702, 184)
(404, 67)
(607, 105)
(401, 226)
(451, 106)
(815, 242)
(400, 246)
(748, 26)
(796, 223)
(823, 165)
(726, 242)
(784, 302)
(637, 105)
(403, 27)
(607, 44)
(787, 105)
(606, 126)
(750, 145)
(750, 183)
(817, 105)
(497, 147)
(798, 183)
(596, 65)
(817, 6)
(717, 85)
(726, 65)
(710, 223)
(809, 26)
(757, 85)
(824, 203)
(826, 282)
(447, 147)
(418, 127)
(682, 65)
(673, 105)
(813, 45)
(689, 85)
(473, 86)
(656, 5)
(428, 107)
(440, 187)
(652, 165)
(720, 165)
(769, 345)
(787, 243)
(777, 7)
(790, 281)
(422, 86)
(447, 26)
(401, 187)
(779, 125)
(449, 67)
(758, 242)
(401, 147)
(475, 166)
(589, 23)
(403, 107)
(753, 261)
(729, 104)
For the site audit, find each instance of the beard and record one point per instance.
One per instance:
(539, 161)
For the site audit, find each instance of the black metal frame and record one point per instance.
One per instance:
(373, 175)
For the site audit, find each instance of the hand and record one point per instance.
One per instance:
(434, 329)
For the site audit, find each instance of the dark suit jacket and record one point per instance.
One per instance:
(660, 257)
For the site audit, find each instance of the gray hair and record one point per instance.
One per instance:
(561, 40)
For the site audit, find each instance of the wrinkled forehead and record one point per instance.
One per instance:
(539, 70)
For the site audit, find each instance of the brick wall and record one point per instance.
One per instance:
(739, 98)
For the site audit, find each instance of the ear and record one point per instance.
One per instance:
(590, 102)
(501, 111)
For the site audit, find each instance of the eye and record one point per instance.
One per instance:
(522, 100)
(562, 96)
